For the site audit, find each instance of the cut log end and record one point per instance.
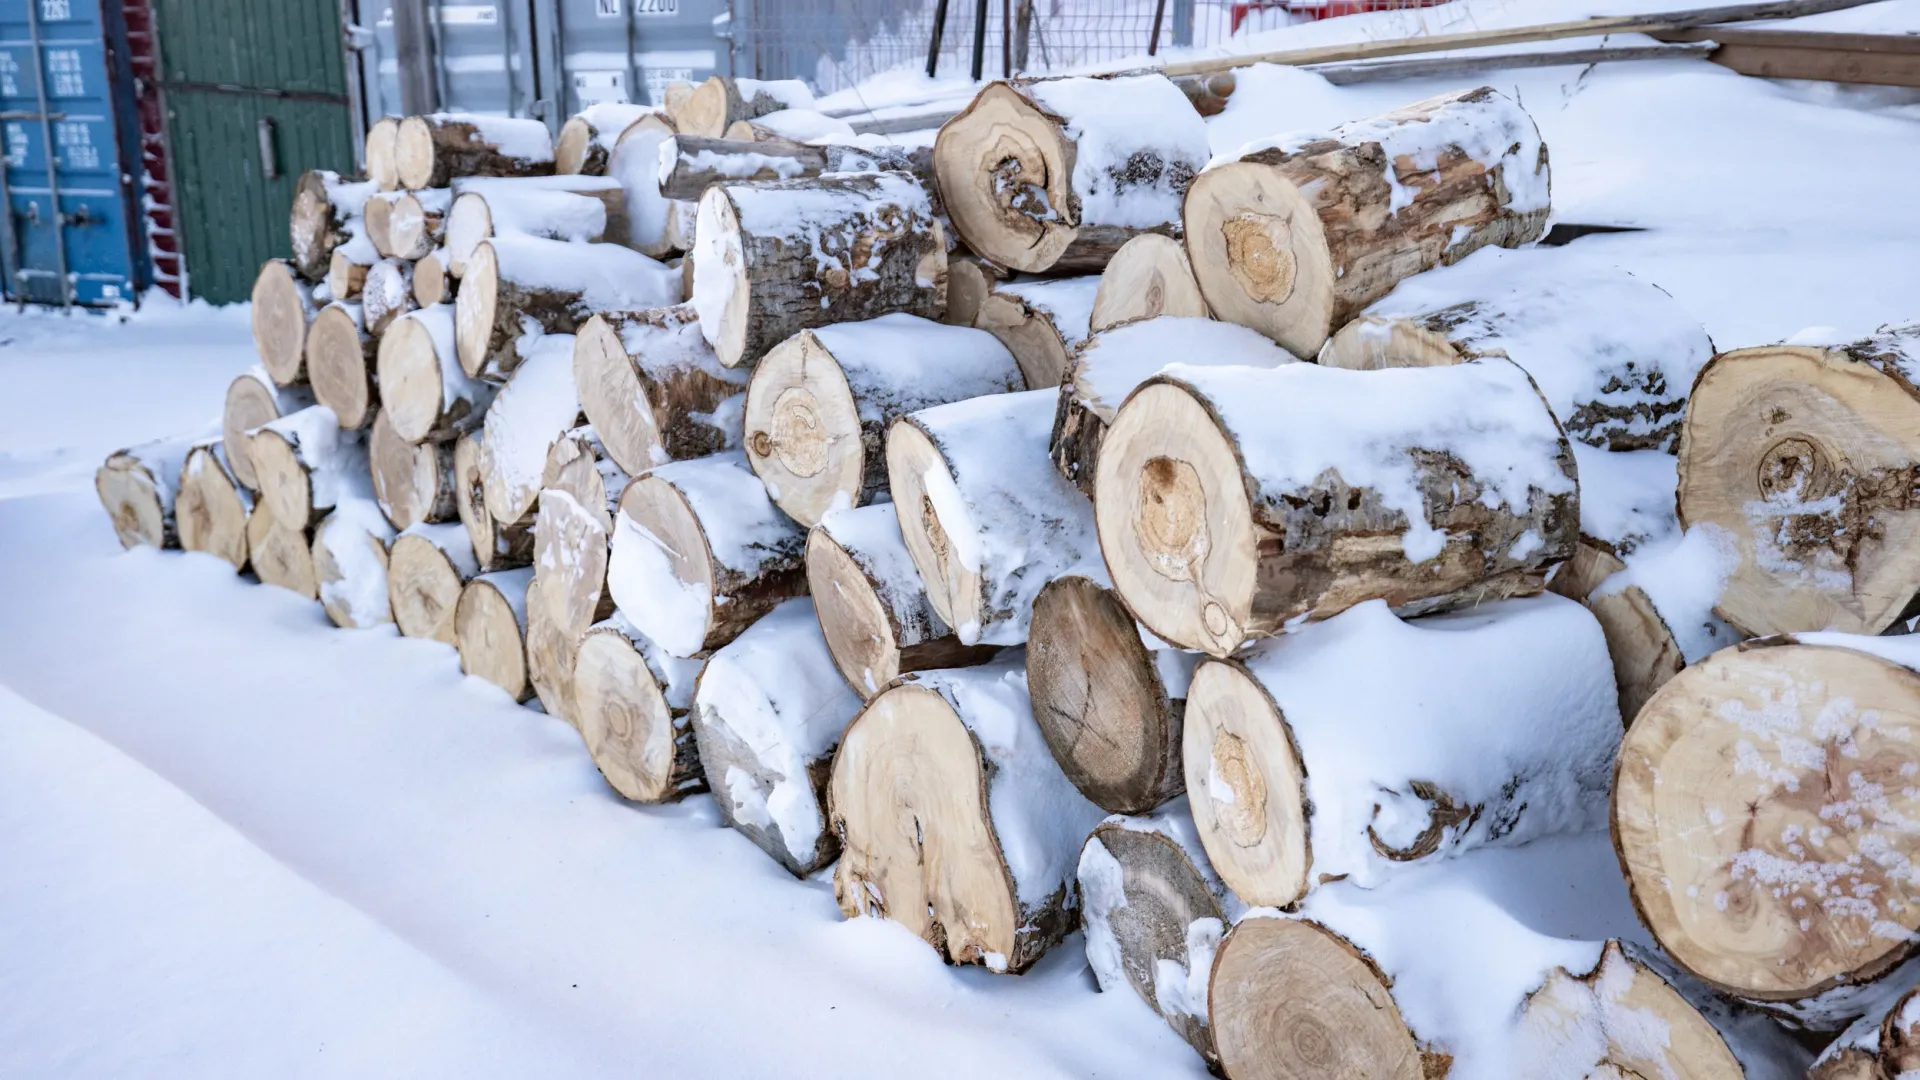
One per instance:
(802, 430)
(340, 364)
(412, 483)
(423, 587)
(1148, 277)
(250, 403)
(382, 168)
(643, 749)
(282, 308)
(495, 546)
(1598, 1020)
(209, 510)
(856, 624)
(490, 632)
(281, 555)
(913, 464)
(1006, 172)
(135, 502)
(1260, 254)
(1247, 786)
(1029, 335)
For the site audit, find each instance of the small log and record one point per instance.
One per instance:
(211, 510)
(652, 388)
(252, 401)
(674, 97)
(796, 124)
(700, 552)
(490, 630)
(379, 215)
(1613, 355)
(431, 150)
(634, 703)
(413, 483)
(764, 269)
(306, 464)
(1110, 706)
(987, 519)
(283, 306)
(1295, 238)
(1042, 322)
(432, 283)
(417, 223)
(519, 287)
(985, 871)
(570, 577)
(1111, 364)
(427, 566)
(350, 564)
(341, 358)
(536, 408)
(279, 554)
(1147, 278)
(137, 487)
(873, 609)
(382, 166)
(969, 282)
(581, 209)
(387, 293)
(588, 137)
(820, 402)
(767, 716)
(495, 546)
(1232, 500)
(1806, 457)
(325, 206)
(721, 101)
(635, 164)
(1054, 175)
(690, 164)
(423, 390)
(347, 268)
(578, 465)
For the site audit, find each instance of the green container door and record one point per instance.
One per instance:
(256, 93)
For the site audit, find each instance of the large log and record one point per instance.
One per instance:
(1613, 355)
(987, 519)
(417, 222)
(517, 288)
(700, 552)
(1147, 278)
(584, 209)
(490, 630)
(532, 412)
(413, 483)
(872, 606)
(650, 385)
(774, 258)
(588, 137)
(280, 554)
(690, 164)
(382, 167)
(254, 400)
(634, 706)
(819, 405)
(325, 208)
(1805, 458)
(721, 101)
(210, 510)
(1054, 175)
(306, 464)
(423, 390)
(636, 165)
(955, 821)
(1042, 323)
(427, 566)
(283, 306)
(431, 150)
(767, 717)
(341, 356)
(1232, 500)
(350, 564)
(495, 546)
(1295, 237)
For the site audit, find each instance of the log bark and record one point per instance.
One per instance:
(1110, 706)
(417, 222)
(1643, 648)
(1041, 323)
(423, 391)
(984, 873)
(634, 704)
(1884, 1044)
(767, 716)
(490, 630)
(588, 137)
(1054, 175)
(341, 361)
(1228, 505)
(413, 483)
(325, 208)
(1147, 278)
(348, 266)
(820, 402)
(495, 546)
(382, 167)
(427, 566)
(690, 164)
(873, 609)
(985, 516)
(1613, 355)
(432, 283)
(350, 565)
(431, 150)
(535, 410)
(283, 306)
(211, 510)
(581, 209)
(1296, 238)
(1806, 459)
(1111, 364)
(280, 554)
(775, 258)
(650, 385)
(254, 400)
(700, 552)
(306, 463)
(635, 164)
(387, 294)
(517, 288)
(722, 101)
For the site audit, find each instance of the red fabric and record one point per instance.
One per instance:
(1321, 9)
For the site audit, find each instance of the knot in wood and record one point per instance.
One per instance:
(1171, 518)
(1311, 1044)
(1795, 468)
(1020, 191)
(1260, 255)
(799, 436)
(1238, 791)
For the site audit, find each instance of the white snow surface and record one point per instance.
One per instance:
(608, 277)
(806, 125)
(513, 136)
(609, 118)
(635, 163)
(453, 540)
(792, 93)
(1626, 498)
(1683, 577)
(349, 533)
(1115, 121)
(739, 521)
(560, 215)
(1067, 301)
(899, 363)
(538, 405)
(1110, 364)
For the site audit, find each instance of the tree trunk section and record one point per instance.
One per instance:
(578, 209)
(325, 207)
(429, 151)
(307, 464)
(1147, 278)
(650, 385)
(588, 137)
(350, 565)
(722, 101)
(690, 164)
(387, 293)
(254, 401)
(211, 509)
(635, 165)
(283, 306)
(280, 555)
(969, 282)
(1041, 322)
(490, 630)
(423, 391)
(347, 268)
(536, 408)
(432, 284)
(518, 288)
(137, 487)
(341, 357)
(417, 222)
(379, 215)
(634, 705)
(495, 546)
(382, 167)
(427, 566)
(412, 483)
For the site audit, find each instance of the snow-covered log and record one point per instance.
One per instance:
(427, 565)
(341, 357)
(280, 554)
(570, 577)
(1147, 278)
(350, 564)
(382, 168)
(578, 465)
(820, 402)
(1884, 1044)
(496, 546)
(1803, 458)
(550, 651)
(432, 283)
(210, 509)
(387, 293)
(774, 258)
(490, 630)
(721, 101)
(1763, 814)
(700, 552)
(583, 209)
(650, 385)
(1109, 704)
(348, 266)
(1613, 355)
(804, 125)
(424, 391)
(988, 520)
(1112, 363)
(533, 411)
(254, 400)
(588, 137)
(633, 703)
(1054, 175)
(1233, 500)
(378, 213)
(325, 206)
(872, 606)
(956, 822)
(518, 287)
(416, 223)
(306, 463)
(970, 281)
(283, 306)
(1042, 322)
(412, 482)
(635, 164)
(431, 150)
(767, 715)
(1307, 762)
(1298, 234)
(689, 164)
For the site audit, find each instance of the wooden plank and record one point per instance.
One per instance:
(1386, 71)
(1904, 44)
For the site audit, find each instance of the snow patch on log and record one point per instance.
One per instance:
(1137, 142)
(534, 410)
(350, 562)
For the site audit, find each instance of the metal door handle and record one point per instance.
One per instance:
(268, 164)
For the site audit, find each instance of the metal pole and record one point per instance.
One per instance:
(939, 31)
(1006, 39)
(979, 38)
(1159, 16)
(414, 53)
(53, 158)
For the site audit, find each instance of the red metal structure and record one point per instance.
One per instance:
(163, 244)
(1322, 9)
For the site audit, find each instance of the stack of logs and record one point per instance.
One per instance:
(1290, 509)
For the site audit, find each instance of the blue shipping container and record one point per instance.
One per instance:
(71, 235)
